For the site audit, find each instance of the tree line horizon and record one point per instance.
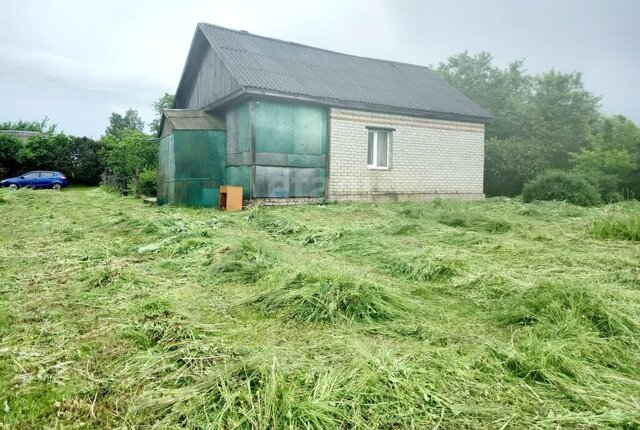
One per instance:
(544, 122)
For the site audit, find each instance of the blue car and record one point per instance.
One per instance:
(39, 179)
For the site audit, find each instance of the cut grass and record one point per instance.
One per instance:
(327, 298)
(618, 224)
(488, 314)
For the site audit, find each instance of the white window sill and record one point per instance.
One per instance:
(377, 168)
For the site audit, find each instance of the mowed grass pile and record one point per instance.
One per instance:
(490, 314)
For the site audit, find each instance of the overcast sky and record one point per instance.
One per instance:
(78, 61)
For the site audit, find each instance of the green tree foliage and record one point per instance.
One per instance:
(561, 186)
(118, 123)
(9, 148)
(567, 112)
(78, 157)
(511, 162)
(130, 151)
(42, 126)
(503, 92)
(164, 102)
(87, 162)
(613, 158)
(149, 182)
(47, 152)
(538, 120)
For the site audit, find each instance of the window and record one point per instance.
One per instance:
(378, 149)
(32, 175)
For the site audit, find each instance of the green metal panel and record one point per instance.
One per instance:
(238, 169)
(273, 181)
(238, 136)
(290, 128)
(291, 148)
(166, 171)
(200, 160)
(239, 176)
(191, 167)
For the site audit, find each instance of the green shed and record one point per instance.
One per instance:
(192, 158)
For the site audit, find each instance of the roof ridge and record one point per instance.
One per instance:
(246, 33)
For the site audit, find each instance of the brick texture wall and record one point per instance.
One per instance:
(427, 159)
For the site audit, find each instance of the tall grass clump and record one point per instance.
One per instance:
(247, 395)
(328, 298)
(276, 226)
(553, 302)
(617, 225)
(423, 268)
(377, 391)
(246, 263)
(561, 186)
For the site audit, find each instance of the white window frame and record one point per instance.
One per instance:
(375, 132)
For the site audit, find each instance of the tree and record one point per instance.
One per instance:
(130, 152)
(612, 161)
(47, 152)
(568, 113)
(87, 161)
(42, 126)
(538, 120)
(503, 92)
(118, 124)
(10, 146)
(164, 102)
(510, 163)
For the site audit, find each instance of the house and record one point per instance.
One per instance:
(292, 123)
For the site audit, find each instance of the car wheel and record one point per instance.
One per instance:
(13, 186)
(56, 187)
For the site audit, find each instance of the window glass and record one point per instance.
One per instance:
(32, 175)
(46, 175)
(378, 148)
(383, 138)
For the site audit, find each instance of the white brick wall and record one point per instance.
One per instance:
(428, 158)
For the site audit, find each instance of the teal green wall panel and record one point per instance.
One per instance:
(239, 176)
(238, 135)
(291, 149)
(290, 157)
(192, 165)
(290, 128)
(166, 171)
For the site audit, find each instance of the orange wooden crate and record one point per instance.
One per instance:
(230, 198)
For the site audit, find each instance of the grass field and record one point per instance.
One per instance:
(492, 314)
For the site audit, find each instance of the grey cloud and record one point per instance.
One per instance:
(108, 56)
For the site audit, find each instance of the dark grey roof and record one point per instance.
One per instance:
(183, 119)
(22, 134)
(287, 68)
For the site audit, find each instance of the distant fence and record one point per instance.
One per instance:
(122, 183)
(21, 134)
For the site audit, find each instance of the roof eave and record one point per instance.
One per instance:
(257, 92)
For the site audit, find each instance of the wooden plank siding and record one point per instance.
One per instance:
(206, 78)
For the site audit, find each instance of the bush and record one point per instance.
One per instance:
(149, 182)
(562, 186)
(617, 226)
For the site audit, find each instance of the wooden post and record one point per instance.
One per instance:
(137, 178)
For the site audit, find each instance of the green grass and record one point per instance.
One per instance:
(490, 314)
(622, 222)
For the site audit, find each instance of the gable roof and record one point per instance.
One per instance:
(262, 65)
(186, 119)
